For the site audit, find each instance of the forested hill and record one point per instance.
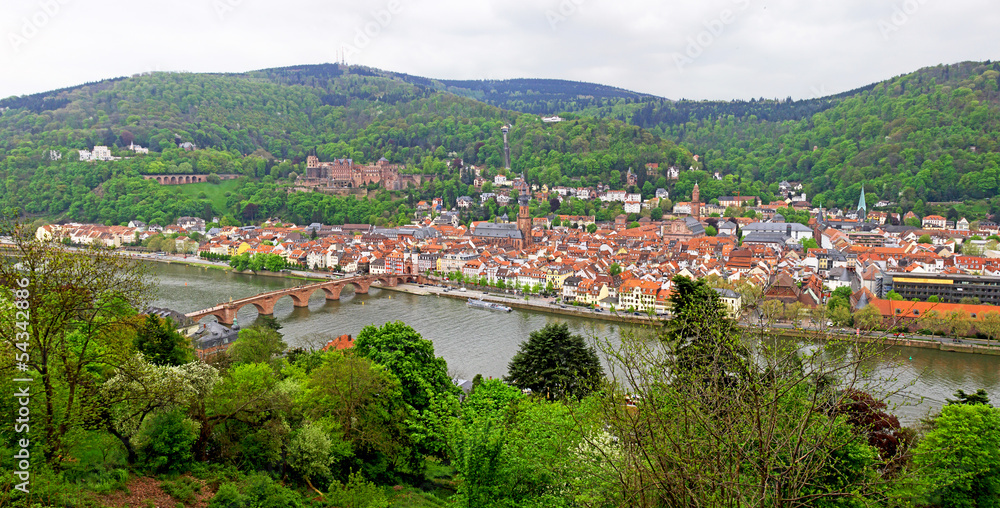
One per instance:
(263, 124)
(929, 136)
(535, 96)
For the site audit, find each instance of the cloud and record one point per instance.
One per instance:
(713, 49)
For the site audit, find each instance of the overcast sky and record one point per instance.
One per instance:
(697, 49)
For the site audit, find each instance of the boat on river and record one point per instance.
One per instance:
(480, 304)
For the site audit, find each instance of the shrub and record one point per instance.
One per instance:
(169, 440)
(257, 491)
(182, 489)
(357, 493)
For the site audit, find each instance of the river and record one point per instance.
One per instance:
(480, 341)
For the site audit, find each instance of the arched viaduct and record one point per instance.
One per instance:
(264, 302)
(182, 179)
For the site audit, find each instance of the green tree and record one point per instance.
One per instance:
(990, 325)
(310, 453)
(79, 312)
(161, 343)
(705, 339)
(511, 451)
(959, 323)
(274, 263)
(423, 377)
(869, 318)
(169, 440)
(841, 315)
(843, 292)
(257, 344)
(686, 422)
(614, 269)
(892, 295)
(960, 457)
(410, 358)
(140, 389)
(556, 364)
(924, 238)
(710, 231)
(912, 221)
(361, 403)
(245, 393)
(240, 262)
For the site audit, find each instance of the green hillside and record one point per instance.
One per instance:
(928, 136)
(932, 135)
(263, 124)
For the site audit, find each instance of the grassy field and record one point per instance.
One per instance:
(215, 193)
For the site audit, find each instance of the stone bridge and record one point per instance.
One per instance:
(264, 302)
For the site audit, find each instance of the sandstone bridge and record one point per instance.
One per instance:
(264, 302)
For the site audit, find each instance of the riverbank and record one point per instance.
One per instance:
(550, 306)
(893, 341)
(533, 303)
(197, 262)
(542, 305)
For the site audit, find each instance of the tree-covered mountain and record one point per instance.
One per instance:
(264, 123)
(929, 136)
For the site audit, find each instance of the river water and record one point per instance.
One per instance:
(480, 341)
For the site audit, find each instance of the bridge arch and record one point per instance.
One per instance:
(219, 317)
(360, 286)
(264, 307)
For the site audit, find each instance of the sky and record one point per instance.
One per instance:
(697, 49)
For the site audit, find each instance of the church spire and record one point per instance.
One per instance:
(862, 207)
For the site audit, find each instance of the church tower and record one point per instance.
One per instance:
(696, 202)
(524, 218)
(862, 207)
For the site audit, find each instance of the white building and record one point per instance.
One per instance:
(101, 153)
(613, 195)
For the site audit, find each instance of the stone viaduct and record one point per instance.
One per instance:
(264, 302)
(181, 179)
